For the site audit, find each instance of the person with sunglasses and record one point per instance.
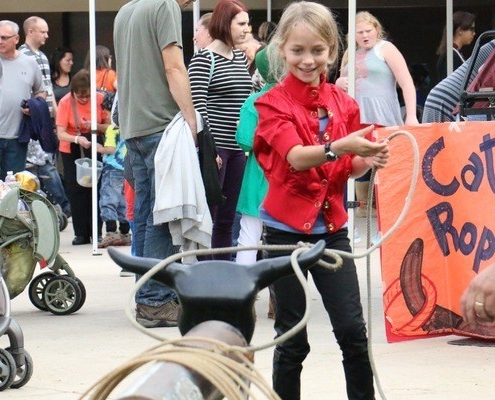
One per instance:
(463, 31)
(22, 80)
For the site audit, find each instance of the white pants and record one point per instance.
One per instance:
(249, 235)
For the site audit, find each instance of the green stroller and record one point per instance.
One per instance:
(29, 235)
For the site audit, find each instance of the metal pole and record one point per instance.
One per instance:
(94, 127)
(448, 34)
(351, 47)
(196, 13)
(196, 16)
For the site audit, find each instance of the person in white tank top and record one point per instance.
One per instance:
(380, 66)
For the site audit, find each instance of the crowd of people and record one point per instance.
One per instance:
(66, 122)
(286, 139)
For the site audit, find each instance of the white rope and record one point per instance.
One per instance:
(398, 222)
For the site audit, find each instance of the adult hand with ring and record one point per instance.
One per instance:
(478, 300)
(479, 309)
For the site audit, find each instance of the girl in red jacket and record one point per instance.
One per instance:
(308, 143)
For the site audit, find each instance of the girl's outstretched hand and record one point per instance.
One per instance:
(357, 143)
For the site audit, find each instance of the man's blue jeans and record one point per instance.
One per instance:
(53, 186)
(12, 156)
(150, 240)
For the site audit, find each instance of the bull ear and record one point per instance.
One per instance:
(141, 265)
(268, 270)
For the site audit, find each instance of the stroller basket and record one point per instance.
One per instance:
(481, 103)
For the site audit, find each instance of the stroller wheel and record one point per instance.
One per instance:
(63, 221)
(62, 295)
(23, 372)
(7, 369)
(83, 293)
(36, 289)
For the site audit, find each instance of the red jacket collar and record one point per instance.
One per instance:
(302, 92)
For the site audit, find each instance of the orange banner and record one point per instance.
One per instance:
(448, 235)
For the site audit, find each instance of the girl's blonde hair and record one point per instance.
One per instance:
(318, 18)
(365, 17)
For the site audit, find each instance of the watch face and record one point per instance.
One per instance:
(331, 156)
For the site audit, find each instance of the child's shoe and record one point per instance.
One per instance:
(124, 240)
(110, 239)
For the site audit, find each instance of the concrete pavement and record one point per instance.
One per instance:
(72, 352)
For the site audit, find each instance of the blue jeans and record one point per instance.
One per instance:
(12, 156)
(112, 201)
(133, 241)
(52, 185)
(339, 291)
(151, 241)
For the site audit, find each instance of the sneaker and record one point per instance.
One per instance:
(157, 317)
(124, 240)
(109, 239)
(125, 274)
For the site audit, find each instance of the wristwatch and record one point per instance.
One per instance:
(329, 154)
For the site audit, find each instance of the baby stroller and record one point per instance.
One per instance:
(478, 99)
(16, 365)
(23, 215)
(29, 235)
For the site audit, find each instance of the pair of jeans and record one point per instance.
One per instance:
(133, 241)
(112, 201)
(230, 176)
(339, 291)
(151, 241)
(52, 185)
(12, 156)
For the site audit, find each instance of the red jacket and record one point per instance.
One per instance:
(288, 116)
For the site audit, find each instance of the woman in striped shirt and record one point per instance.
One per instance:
(220, 83)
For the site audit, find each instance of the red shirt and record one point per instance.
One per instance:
(129, 200)
(288, 116)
